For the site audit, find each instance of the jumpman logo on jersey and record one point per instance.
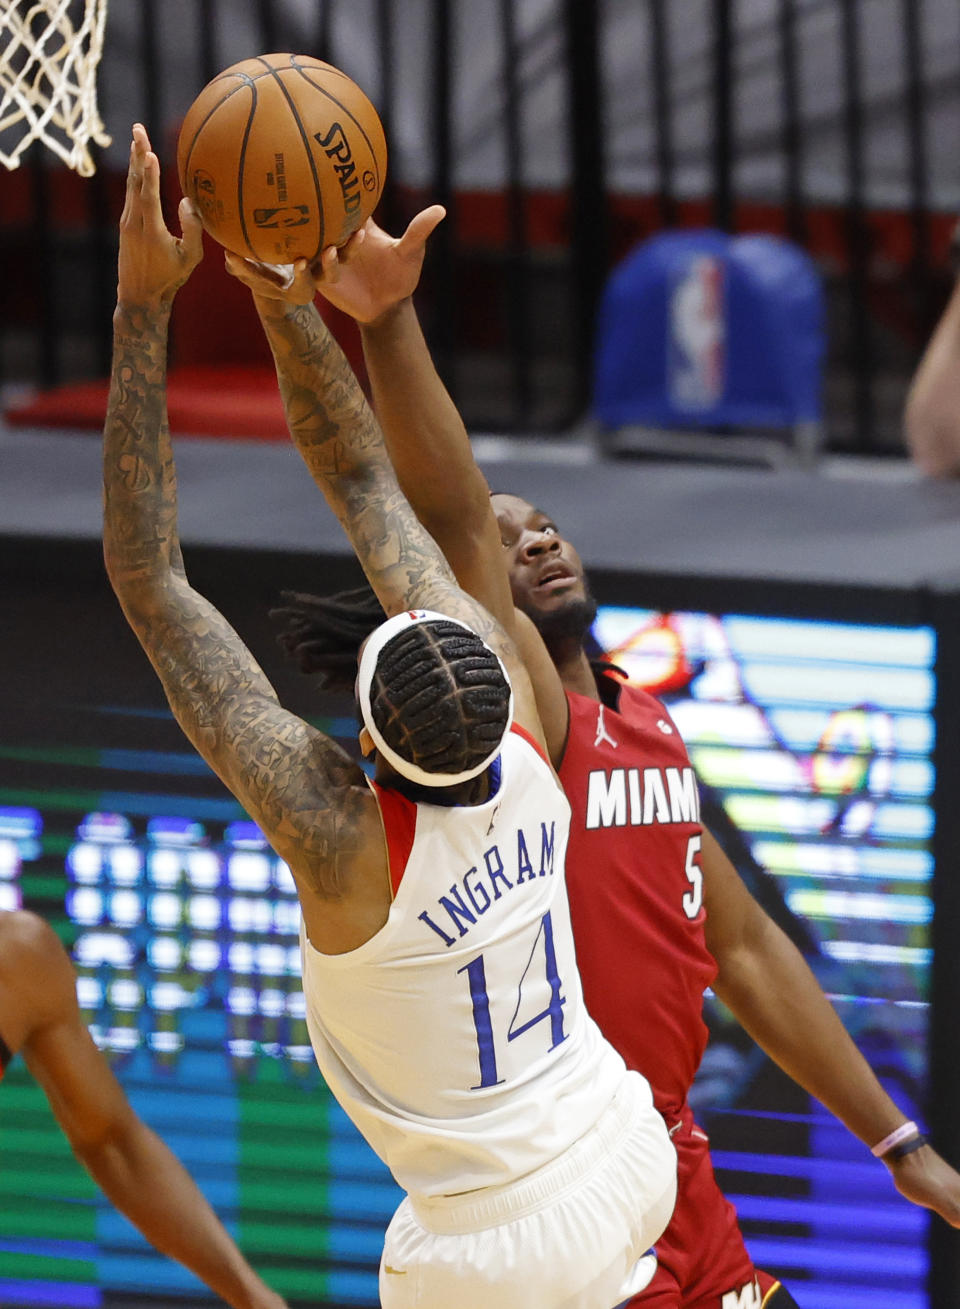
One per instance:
(493, 819)
(602, 733)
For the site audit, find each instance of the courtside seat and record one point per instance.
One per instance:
(711, 345)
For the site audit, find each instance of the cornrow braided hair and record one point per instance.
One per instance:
(439, 697)
(323, 634)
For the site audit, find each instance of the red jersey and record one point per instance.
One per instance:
(635, 886)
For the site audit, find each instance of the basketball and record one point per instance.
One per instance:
(283, 155)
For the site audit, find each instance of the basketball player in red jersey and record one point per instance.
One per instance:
(40, 1019)
(659, 912)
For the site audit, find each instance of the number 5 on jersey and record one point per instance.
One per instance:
(693, 899)
(477, 978)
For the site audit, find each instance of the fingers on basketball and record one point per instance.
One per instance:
(328, 265)
(350, 248)
(191, 239)
(256, 276)
(284, 154)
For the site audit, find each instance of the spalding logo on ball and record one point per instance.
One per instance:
(282, 155)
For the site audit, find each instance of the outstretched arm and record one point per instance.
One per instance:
(765, 982)
(342, 444)
(373, 279)
(422, 432)
(131, 1164)
(303, 790)
(431, 452)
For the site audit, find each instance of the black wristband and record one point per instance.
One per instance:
(901, 1151)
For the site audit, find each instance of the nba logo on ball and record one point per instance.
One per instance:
(697, 333)
(292, 216)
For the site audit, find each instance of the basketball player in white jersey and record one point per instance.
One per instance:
(443, 999)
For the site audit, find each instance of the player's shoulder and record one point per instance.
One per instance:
(24, 936)
(32, 960)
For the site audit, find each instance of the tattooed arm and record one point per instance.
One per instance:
(342, 444)
(373, 278)
(301, 788)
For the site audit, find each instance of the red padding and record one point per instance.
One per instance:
(231, 400)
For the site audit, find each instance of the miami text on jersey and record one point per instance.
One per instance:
(617, 797)
(499, 874)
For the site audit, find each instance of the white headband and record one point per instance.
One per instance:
(365, 673)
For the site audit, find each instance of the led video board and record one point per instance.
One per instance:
(813, 743)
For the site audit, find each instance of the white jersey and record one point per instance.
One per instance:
(456, 1037)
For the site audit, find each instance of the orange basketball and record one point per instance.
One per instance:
(282, 155)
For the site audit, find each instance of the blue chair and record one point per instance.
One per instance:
(702, 332)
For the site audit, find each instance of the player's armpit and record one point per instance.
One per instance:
(303, 790)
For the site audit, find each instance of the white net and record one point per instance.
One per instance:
(49, 52)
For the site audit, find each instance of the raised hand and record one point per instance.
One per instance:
(928, 1180)
(153, 263)
(290, 283)
(368, 276)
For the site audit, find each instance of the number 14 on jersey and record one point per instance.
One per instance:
(543, 955)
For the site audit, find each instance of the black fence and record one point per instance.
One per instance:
(514, 276)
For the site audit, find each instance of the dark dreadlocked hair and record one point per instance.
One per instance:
(324, 633)
(439, 696)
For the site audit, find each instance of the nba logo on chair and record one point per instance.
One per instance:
(711, 345)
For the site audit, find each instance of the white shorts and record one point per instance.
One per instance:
(569, 1236)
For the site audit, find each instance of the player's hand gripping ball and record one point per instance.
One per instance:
(283, 155)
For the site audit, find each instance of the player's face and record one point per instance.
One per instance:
(546, 575)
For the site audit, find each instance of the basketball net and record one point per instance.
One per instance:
(48, 74)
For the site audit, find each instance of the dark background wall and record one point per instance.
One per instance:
(558, 135)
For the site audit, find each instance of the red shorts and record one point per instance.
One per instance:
(701, 1256)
